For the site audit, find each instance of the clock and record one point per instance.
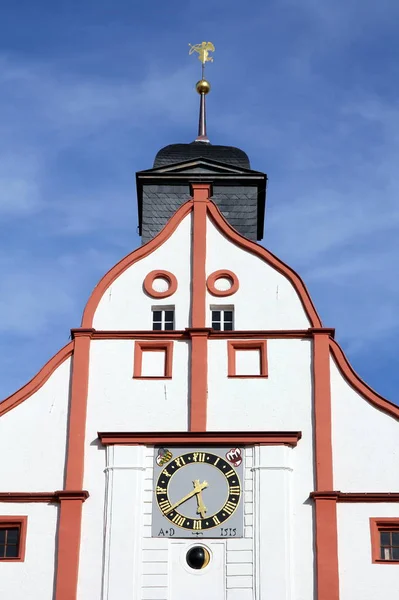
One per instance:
(197, 492)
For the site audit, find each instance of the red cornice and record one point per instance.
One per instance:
(46, 497)
(356, 496)
(240, 438)
(180, 334)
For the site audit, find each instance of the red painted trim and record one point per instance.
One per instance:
(262, 334)
(357, 497)
(233, 346)
(77, 412)
(70, 515)
(198, 379)
(198, 333)
(360, 386)
(155, 346)
(38, 380)
(185, 334)
(211, 281)
(22, 524)
(376, 526)
(322, 411)
(69, 532)
(326, 545)
(137, 334)
(128, 261)
(272, 260)
(326, 535)
(201, 193)
(287, 438)
(46, 497)
(149, 280)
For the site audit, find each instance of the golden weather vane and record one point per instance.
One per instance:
(203, 86)
(203, 50)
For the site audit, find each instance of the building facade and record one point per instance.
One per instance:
(202, 435)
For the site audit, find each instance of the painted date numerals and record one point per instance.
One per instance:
(228, 532)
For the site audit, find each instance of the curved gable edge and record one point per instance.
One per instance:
(254, 248)
(359, 385)
(129, 260)
(38, 380)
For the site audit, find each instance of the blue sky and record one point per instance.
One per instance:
(90, 90)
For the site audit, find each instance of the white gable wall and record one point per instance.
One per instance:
(124, 306)
(265, 298)
(34, 435)
(365, 441)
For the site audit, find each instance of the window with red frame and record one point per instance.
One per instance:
(10, 537)
(389, 544)
(385, 540)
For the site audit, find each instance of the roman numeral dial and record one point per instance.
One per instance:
(197, 491)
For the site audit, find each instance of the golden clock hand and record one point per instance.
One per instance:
(201, 508)
(197, 488)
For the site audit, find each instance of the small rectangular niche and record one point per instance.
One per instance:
(247, 358)
(153, 360)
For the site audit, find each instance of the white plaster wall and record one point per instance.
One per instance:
(282, 402)
(117, 402)
(93, 524)
(34, 435)
(365, 441)
(265, 298)
(359, 578)
(125, 306)
(32, 579)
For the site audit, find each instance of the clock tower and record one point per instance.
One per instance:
(202, 435)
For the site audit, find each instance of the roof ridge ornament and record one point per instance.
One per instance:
(203, 86)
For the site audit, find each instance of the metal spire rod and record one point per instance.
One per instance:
(203, 86)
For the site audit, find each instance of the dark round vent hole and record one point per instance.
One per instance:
(198, 557)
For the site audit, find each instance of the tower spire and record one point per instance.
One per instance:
(203, 86)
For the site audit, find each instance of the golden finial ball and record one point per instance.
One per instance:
(203, 86)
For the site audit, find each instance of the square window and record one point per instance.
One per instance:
(385, 540)
(12, 538)
(163, 318)
(222, 318)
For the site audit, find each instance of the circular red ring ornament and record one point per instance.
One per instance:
(210, 283)
(149, 280)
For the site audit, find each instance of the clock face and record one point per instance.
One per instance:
(197, 492)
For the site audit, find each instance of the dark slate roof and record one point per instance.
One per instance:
(176, 153)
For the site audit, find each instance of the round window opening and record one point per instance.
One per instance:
(198, 557)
